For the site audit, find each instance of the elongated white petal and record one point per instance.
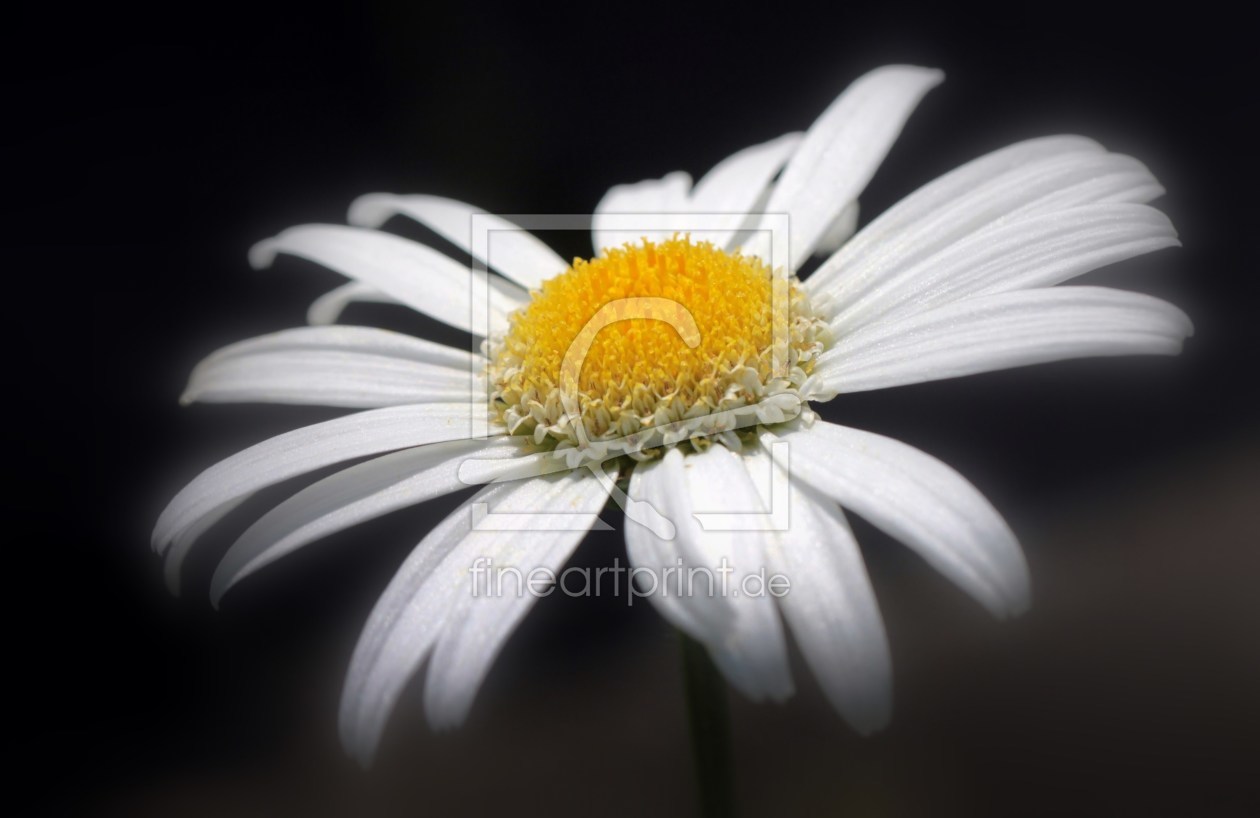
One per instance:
(704, 618)
(363, 340)
(493, 240)
(830, 605)
(1124, 179)
(355, 495)
(908, 219)
(302, 451)
(335, 366)
(1001, 331)
(920, 501)
(841, 152)
(737, 184)
(433, 593)
(418, 276)
(652, 197)
(325, 378)
(749, 647)
(481, 624)
(1034, 251)
(1026, 179)
(408, 618)
(184, 539)
(328, 307)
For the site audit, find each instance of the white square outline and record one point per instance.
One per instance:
(700, 226)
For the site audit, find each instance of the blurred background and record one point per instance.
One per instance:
(149, 148)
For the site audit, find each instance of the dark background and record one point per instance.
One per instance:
(149, 148)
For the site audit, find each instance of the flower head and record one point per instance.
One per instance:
(679, 361)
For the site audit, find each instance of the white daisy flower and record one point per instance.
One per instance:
(684, 409)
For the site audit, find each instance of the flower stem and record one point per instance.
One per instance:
(709, 719)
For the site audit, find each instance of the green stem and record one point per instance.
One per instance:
(707, 715)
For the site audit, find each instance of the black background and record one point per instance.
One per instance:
(149, 148)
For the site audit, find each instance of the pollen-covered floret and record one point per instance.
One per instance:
(652, 344)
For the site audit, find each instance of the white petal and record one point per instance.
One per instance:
(498, 243)
(418, 276)
(741, 631)
(830, 606)
(841, 152)
(1001, 331)
(365, 340)
(184, 539)
(704, 619)
(840, 231)
(651, 197)
(302, 451)
(433, 593)
(481, 624)
(328, 307)
(352, 496)
(327, 378)
(739, 182)
(407, 620)
(1025, 179)
(913, 218)
(1034, 251)
(920, 501)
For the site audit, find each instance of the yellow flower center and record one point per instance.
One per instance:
(652, 344)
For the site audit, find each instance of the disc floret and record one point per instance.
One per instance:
(652, 344)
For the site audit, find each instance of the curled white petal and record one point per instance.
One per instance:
(415, 275)
(493, 240)
(328, 307)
